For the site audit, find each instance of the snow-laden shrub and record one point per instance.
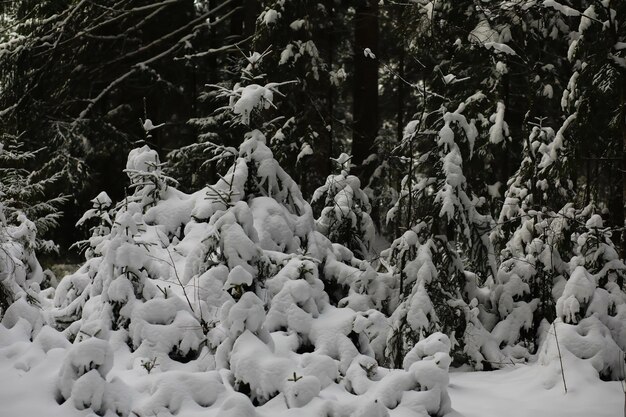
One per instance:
(428, 301)
(527, 282)
(232, 280)
(591, 309)
(344, 214)
(100, 211)
(534, 244)
(532, 275)
(589, 340)
(415, 316)
(21, 275)
(420, 388)
(82, 379)
(119, 290)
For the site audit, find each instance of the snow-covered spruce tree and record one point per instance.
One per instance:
(23, 196)
(591, 310)
(115, 299)
(306, 48)
(533, 239)
(528, 280)
(26, 190)
(415, 317)
(245, 102)
(590, 105)
(117, 279)
(21, 276)
(263, 253)
(295, 299)
(431, 284)
(221, 131)
(101, 211)
(343, 211)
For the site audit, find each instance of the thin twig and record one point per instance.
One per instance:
(178, 278)
(558, 348)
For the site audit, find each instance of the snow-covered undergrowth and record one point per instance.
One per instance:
(236, 301)
(217, 301)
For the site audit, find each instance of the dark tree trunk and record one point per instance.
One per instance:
(252, 9)
(213, 43)
(401, 96)
(236, 21)
(621, 243)
(365, 107)
(330, 99)
(242, 23)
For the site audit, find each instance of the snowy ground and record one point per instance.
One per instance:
(522, 392)
(514, 392)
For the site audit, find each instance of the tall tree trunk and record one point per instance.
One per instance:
(620, 216)
(401, 96)
(330, 44)
(365, 107)
(330, 95)
(236, 20)
(252, 10)
(213, 43)
(242, 23)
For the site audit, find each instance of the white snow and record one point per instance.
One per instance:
(566, 10)
(270, 17)
(499, 130)
(500, 47)
(251, 97)
(519, 391)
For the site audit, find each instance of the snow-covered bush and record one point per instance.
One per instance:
(119, 289)
(415, 317)
(529, 279)
(82, 379)
(21, 275)
(534, 242)
(233, 280)
(344, 215)
(101, 210)
(420, 388)
(236, 283)
(26, 189)
(591, 310)
(596, 284)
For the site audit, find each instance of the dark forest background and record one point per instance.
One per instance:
(544, 86)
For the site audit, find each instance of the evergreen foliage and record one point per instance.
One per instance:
(474, 216)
